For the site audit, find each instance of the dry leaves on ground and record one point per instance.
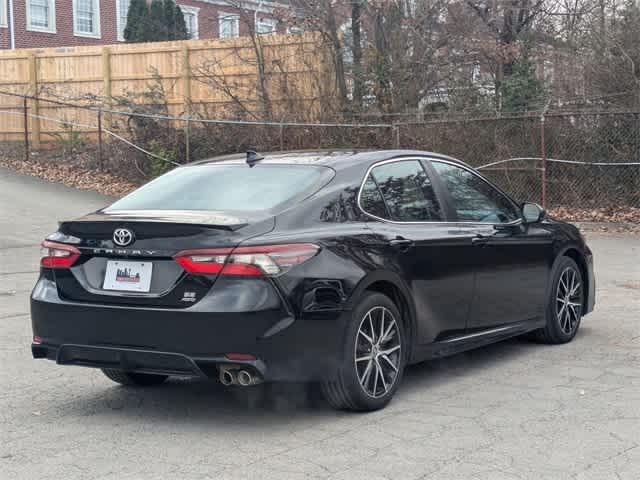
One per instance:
(72, 176)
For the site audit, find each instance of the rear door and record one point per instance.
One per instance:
(511, 266)
(424, 250)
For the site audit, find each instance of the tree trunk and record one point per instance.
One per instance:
(358, 84)
(336, 44)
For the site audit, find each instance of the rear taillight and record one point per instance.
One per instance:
(246, 261)
(58, 255)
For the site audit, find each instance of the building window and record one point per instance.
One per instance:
(229, 24)
(266, 26)
(294, 30)
(41, 15)
(3, 13)
(190, 15)
(122, 10)
(86, 18)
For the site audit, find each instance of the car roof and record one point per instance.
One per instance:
(336, 159)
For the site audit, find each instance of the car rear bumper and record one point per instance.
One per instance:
(191, 341)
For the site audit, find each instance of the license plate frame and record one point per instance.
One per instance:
(128, 276)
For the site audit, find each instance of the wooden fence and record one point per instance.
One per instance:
(268, 77)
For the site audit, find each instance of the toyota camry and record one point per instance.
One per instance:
(339, 268)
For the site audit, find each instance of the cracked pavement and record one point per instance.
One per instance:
(515, 410)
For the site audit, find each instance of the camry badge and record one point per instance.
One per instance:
(122, 237)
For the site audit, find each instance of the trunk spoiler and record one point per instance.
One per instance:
(190, 217)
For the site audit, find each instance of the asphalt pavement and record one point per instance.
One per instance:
(515, 410)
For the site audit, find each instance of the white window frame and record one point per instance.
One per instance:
(96, 33)
(195, 11)
(3, 14)
(119, 25)
(222, 16)
(273, 26)
(52, 18)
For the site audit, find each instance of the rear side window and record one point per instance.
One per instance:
(371, 199)
(234, 187)
(400, 191)
(474, 200)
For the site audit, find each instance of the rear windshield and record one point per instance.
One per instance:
(227, 187)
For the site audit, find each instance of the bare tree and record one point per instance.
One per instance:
(507, 21)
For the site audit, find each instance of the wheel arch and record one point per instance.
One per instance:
(574, 253)
(392, 286)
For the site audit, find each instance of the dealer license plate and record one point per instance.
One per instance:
(128, 276)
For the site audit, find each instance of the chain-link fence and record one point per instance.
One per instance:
(577, 160)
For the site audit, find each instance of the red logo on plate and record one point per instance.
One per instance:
(125, 275)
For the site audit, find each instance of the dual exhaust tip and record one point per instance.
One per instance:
(234, 376)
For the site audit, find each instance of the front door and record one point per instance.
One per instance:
(511, 265)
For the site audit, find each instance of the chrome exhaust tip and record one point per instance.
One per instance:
(246, 378)
(227, 377)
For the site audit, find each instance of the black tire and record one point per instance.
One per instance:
(132, 379)
(344, 391)
(558, 329)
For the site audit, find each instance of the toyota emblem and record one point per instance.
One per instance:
(122, 237)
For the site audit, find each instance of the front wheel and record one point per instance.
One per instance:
(565, 303)
(373, 358)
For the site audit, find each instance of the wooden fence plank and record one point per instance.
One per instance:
(33, 90)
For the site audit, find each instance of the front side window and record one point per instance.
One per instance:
(41, 15)
(86, 17)
(190, 15)
(122, 8)
(229, 24)
(266, 26)
(400, 191)
(475, 200)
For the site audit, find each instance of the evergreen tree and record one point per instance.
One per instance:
(522, 91)
(137, 22)
(179, 25)
(176, 26)
(160, 21)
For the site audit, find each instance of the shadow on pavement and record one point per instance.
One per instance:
(193, 400)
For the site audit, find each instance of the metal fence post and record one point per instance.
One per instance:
(281, 137)
(187, 143)
(543, 156)
(395, 128)
(100, 161)
(26, 130)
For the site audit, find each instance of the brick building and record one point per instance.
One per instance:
(61, 23)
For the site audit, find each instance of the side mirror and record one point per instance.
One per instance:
(532, 212)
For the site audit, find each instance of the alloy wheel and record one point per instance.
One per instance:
(378, 352)
(569, 300)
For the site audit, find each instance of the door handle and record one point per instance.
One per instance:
(480, 240)
(400, 243)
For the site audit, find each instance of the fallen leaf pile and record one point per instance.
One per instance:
(71, 176)
(623, 214)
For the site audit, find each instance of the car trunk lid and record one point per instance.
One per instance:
(107, 266)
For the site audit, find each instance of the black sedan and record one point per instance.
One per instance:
(332, 267)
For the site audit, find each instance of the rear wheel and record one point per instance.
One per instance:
(564, 309)
(373, 359)
(133, 379)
